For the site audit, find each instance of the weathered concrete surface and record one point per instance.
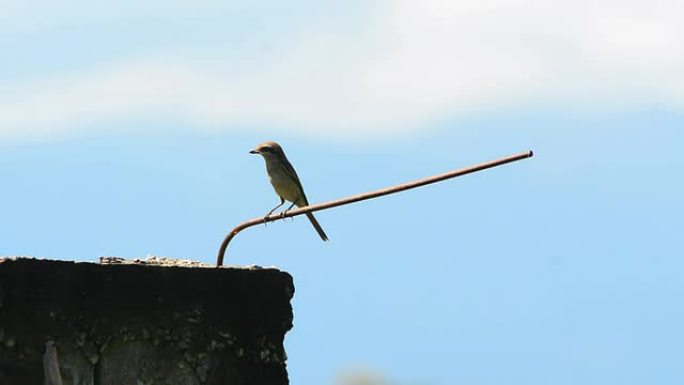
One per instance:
(142, 324)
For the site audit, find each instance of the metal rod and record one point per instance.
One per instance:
(367, 195)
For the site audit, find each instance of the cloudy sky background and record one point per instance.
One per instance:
(359, 69)
(124, 130)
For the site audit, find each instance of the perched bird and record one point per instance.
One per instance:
(285, 181)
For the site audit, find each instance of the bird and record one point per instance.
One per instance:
(285, 181)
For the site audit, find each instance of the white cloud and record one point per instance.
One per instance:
(412, 61)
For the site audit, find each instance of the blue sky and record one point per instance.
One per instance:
(125, 130)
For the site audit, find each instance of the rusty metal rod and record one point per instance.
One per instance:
(367, 195)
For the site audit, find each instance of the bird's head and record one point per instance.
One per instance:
(267, 149)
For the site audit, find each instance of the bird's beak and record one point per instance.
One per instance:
(254, 152)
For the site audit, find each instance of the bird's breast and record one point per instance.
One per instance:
(282, 182)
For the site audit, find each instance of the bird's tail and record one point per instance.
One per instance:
(317, 226)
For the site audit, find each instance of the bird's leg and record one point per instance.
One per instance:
(282, 202)
(282, 214)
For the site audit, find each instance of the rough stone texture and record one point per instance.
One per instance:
(141, 323)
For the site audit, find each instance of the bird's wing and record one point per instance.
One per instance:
(290, 171)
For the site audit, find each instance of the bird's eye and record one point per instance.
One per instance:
(267, 149)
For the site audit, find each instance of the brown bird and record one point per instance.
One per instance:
(285, 181)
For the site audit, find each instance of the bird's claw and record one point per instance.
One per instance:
(267, 216)
(283, 213)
